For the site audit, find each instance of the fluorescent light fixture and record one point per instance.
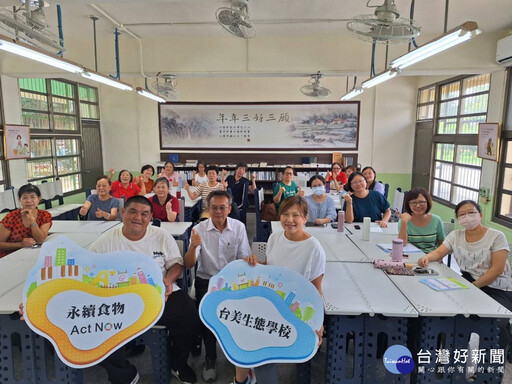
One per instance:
(95, 76)
(150, 95)
(454, 37)
(353, 93)
(380, 78)
(18, 48)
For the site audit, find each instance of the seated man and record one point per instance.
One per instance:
(180, 314)
(215, 242)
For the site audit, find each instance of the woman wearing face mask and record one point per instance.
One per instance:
(322, 208)
(480, 252)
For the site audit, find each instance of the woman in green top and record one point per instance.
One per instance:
(286, 188)
(417, 225)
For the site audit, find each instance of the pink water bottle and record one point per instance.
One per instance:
(341, 220)
(397, 251)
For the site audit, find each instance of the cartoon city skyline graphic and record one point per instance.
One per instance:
(64, 266)
(304, 312)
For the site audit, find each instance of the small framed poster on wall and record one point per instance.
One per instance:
(488, 141)
(16, 141)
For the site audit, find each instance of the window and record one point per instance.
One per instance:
(461, 105)
(503, 207)
(426, 98)
(53, 109)
(89, 105)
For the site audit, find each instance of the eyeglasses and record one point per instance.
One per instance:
(357, 182)
(222, 208)
(469, 214)
(417, 203)
(336, 168)
(288, 173)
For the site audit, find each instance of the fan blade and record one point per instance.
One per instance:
(226, 17)
(235, 30)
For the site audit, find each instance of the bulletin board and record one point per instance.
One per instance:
(250, 126)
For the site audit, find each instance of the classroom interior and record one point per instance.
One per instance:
(294, 40)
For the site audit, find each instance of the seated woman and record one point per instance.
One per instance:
(286, 188)
(199, 175)
(145, 181)
(170, 174)
(124, 187)
(26, 226)
(101, 206)
(362, 202)
(240, 185)
(336, 176)
(348, 170)
(322, 208)
(481, 254)
(204, 190)
(370, 175)
(165, 206)
(417, 225)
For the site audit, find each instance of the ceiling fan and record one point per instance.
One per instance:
(385, 26)
(165, 86)
(313, 88)
(235, 19)
(30, 26)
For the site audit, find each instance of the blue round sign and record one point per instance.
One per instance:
(398, 360)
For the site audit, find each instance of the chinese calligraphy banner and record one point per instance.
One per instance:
(88, 305)
(287, 126)
(262, 314)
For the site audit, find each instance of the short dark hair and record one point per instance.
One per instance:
(28, 188)
(351, 177)
(374, 177)
(162, 180)
(102, 177)
(124, 170)
(212, 168)
(413, 194)
(147, 166)
(137, 199)
(338, 164)
(169, 162)
(300, 202)
(240, 165)
(316, 177)
(219, 193)
(464, 202)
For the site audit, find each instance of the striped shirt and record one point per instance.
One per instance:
(425, 238)
(204, 190)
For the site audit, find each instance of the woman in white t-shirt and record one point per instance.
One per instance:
(199, 176)
(480, 252)
(295, 249)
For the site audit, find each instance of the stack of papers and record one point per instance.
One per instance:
(444, 284)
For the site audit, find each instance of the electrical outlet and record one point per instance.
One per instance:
(484, 192)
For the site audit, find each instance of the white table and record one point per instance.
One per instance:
(392, 228)
(177, 228)
(429, 302)
(357, 288)
(93, 226)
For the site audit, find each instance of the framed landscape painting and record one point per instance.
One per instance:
(253, 126)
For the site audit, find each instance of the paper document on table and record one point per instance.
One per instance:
(374, 227)
(444, 284)
(409, 248)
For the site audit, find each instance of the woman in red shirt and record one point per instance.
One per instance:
(165, 206)
(123, 186)
(27, 226)
(336, 176)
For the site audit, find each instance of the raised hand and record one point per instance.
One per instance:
(195, 239)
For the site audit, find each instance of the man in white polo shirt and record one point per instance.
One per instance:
(180, 314)
(214, 243)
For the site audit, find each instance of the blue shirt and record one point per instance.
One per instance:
(104, 205)
(374, 205)
(325, 209)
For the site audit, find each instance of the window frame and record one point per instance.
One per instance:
(456, 139)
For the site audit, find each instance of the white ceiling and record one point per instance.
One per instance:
(271, 17)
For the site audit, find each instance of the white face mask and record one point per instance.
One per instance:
(470, 221)
(319, 191)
